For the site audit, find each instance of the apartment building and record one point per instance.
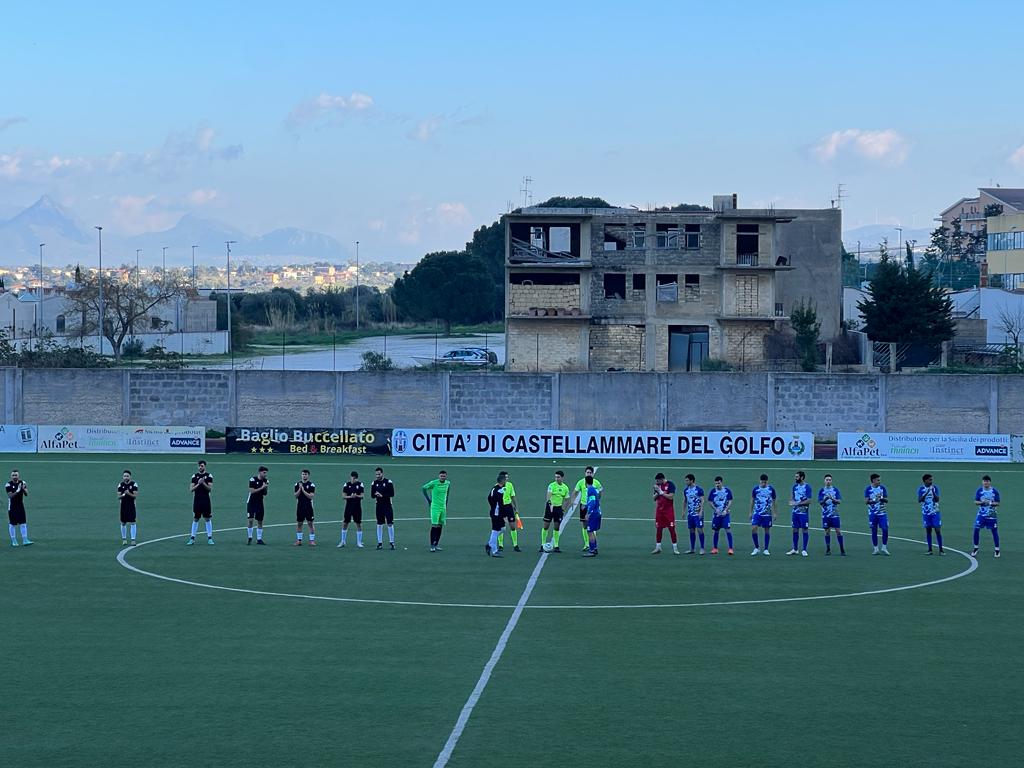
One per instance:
(619, 288)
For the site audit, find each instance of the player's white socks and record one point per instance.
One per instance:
(209, 529)
(24, 532)
(248, 533)
(380, 534)
(195, 527)
(391, 534)
(344, 535)
(298, 535)
(259, 534)
(14, 533)
(133, 530)
(312, 537)
(359, 538)
(124, 532)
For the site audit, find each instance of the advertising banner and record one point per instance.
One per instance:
(911, 446)
(556, 444)
(307, 441)
(53, 438)
(1017, 448)
(17, 438)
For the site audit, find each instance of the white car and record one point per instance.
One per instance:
(465, 356)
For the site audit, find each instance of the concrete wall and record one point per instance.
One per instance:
(820, 403)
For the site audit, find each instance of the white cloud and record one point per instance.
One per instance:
(884, 146)
(1017, 158)
(453, 214)
(425, 129)
(7, 122)
(202, 196)
(134, 214)
(10, 167)
(327, 108)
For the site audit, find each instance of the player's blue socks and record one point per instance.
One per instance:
(842, 549)
(756, 544)
(928, 535)
(807, 535)
(938, 538)
(700, 533)
(885, 536)
(828, 542)
(714, 539)
(728, 537)
(693, 538)
(874, 535)
(977, 536)
(995, 538)
(767, 538)
(796, 537)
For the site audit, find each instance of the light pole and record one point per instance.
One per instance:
(39, 321)
(163, 268)
(138, 272)
(228, 244)
(194, 266)
(357, 285)
(899, 242)
(99, 230)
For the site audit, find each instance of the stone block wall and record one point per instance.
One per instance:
(618, 346)
(299, 398)
(827, 404)
(541, 345)
(496, 400)
(71, 396)
(521, 298)
(201, 398)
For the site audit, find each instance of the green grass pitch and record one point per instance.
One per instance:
(108, 667)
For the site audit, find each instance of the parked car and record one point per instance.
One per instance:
(466, 356)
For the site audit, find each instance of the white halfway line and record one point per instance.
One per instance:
(485, 676)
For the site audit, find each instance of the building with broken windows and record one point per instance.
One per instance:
(622, 289)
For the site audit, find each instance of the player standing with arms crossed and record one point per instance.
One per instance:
(353, 493)
(694, 496)
(664, 512)
(830, 498)
(986, 499)
(721, 502)
(305, 489)
(762, 513)
(17, 490)
(127, 491)
(928, 498)
(383, 491)
(200, 487)
(800, 501)
(254, 511)
(876, 497)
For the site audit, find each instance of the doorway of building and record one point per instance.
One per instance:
(687, 347)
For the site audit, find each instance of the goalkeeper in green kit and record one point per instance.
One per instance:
(436, 494)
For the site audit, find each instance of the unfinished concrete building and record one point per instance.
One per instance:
(621, 289)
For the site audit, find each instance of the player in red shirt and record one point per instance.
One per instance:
(664, 512)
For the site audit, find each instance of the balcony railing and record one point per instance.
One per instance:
(746, 259)
(524, 252)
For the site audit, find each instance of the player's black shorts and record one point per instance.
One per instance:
(127, 516)
(255, 513)
(303, 515)
(508, 512)
(16, 516)
(201, 510)
(354, 515)
(583, 513)
(497, 522)
(386, 515)
(553, 513)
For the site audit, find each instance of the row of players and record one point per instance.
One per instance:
(503, 510)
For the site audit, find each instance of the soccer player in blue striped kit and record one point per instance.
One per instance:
(830, 498)
(876, 497)
(986, 499)
(928, 498)
(800, 501)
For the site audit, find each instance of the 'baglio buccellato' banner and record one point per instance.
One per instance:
(556, 444)
(921, 446)
(307, 441)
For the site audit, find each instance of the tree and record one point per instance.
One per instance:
(1011, 322)
(452, 286)
(125, 303)
(807, 327)
(904, 305)
(851, 269)
(575, 202)
(682, 208)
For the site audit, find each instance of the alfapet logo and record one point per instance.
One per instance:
(796, 446)
(64, 434)
(866, 441)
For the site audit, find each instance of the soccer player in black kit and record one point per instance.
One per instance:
(17, 490)
(304, 491)
(201, 485)
(254, 504)
(127, 491)
(383, 491)
(353, 493)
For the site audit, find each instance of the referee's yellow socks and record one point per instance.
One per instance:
(515, 537)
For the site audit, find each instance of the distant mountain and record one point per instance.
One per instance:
(67, 241)
(873, 234)
(43, 222)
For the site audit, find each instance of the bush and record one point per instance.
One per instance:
(132, 348)
(375, 361)
(714, 364)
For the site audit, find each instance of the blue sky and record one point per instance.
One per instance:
(407, 125)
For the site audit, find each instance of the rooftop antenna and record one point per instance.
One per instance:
(527, 193)
(840, 195)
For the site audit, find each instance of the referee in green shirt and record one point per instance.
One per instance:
(558, 492)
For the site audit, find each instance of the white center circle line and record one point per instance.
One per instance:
(122, 560)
